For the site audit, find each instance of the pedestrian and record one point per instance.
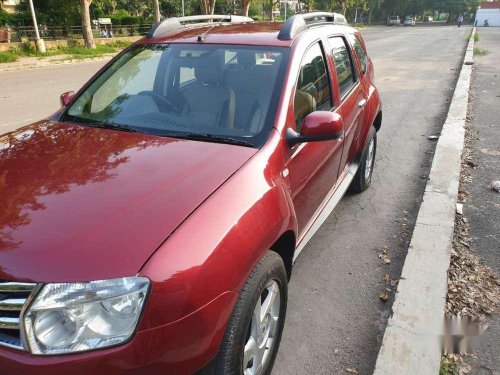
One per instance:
(460, 20)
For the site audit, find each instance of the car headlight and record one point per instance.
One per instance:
(75, 317)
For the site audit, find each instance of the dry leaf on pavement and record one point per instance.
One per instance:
(384, 296)
(384, 255)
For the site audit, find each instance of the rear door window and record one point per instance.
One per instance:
(343, 64)
(313, 89)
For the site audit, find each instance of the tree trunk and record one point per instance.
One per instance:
(246, 7)
(204, 6)
(88, 37)
(156, 8)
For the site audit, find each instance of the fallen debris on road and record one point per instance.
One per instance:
(495, 185)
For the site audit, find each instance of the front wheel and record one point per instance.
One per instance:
(363, 177)
(254, 330)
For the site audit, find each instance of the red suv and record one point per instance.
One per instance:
(150, 226)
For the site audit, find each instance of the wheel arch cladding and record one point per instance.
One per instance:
(377, 123)
(285, 247)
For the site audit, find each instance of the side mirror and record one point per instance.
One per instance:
(66, 98)
(318, 126)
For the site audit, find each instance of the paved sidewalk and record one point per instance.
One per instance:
(482, 207)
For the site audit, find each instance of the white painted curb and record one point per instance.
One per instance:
(411, 343)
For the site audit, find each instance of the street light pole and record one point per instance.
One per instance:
(182, 8)
(40, 44)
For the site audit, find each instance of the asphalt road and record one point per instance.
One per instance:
(30, 95)
(335, 319)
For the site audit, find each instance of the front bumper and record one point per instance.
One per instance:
(182, 347)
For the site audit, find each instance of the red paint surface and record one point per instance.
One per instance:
(80, 203)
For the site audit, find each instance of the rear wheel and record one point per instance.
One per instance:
(254, 330)
(363, 177)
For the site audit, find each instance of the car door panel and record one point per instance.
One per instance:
(313, 166)
(352, 96)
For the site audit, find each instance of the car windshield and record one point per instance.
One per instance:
(393, 18)
(217, 93)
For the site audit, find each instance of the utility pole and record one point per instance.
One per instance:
(286, 1)
(156, 9)
(40, 44)
(183, 8)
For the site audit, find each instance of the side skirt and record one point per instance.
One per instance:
(327, 207)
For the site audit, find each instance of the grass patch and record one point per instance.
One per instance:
(75, 50)
(448, 367)
(7, 57)
(476, 37)
(100, 49)
(480, 51)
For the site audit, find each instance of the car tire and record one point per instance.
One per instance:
(246, 339)
(363, 177)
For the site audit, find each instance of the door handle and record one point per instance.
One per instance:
(362, 103)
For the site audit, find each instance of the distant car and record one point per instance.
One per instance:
(428, 19)
(409, 21)
(393, 21)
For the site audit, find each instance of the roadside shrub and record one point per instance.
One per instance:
(7, 57)
(129, 20)
(120, 44)
(28, 49)
(480, 51)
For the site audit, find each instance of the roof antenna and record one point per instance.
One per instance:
(201, 37)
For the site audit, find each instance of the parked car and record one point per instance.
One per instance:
(428, 19)
(393, 21)
(409, 21)
(150, 226)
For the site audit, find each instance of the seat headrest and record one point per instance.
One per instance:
(211, 71)
(246, 58)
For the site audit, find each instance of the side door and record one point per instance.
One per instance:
(352, 96)
(367, 74)
(313, 166)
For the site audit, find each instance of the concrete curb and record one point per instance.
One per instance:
(411, 343)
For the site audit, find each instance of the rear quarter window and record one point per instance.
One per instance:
(360, 51)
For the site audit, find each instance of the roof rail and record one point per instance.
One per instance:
(300, 22)
(177, 23)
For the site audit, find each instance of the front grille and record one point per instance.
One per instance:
(13, 296)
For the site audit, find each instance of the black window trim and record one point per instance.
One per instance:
(355, 84)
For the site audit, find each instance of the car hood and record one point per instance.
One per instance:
(80, 203)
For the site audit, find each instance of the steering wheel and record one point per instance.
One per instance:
(156, 97)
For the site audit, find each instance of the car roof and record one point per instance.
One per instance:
(255, 33)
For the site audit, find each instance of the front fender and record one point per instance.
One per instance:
(214, 250)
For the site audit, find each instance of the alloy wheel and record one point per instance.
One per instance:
(370, 158)
(262, 330)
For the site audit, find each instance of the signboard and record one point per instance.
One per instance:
(104, 21)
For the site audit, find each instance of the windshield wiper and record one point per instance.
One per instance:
(210, 137)
(114, 127)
